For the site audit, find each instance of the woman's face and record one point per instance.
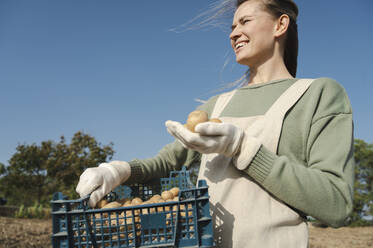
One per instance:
(252, 36)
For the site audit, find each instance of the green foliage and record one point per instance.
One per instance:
(21, 212)
(2, 172)
(2, 169)
(36, 211)
(363, 188)
(35, 172)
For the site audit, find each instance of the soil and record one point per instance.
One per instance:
(344, 237)
(27, 233)
(33, 233)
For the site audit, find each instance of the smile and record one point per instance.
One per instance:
(240, 45)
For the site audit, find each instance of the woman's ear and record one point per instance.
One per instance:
(282, 25)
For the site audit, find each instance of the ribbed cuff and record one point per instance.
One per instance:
(137, 174)
(261, 165)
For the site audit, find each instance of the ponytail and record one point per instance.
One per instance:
(291, 49)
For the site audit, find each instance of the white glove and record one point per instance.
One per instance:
(100, 180)
(210, 137)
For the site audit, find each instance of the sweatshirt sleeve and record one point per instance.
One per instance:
(171, 157)
(322, 187)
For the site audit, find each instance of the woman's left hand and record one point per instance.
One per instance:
(210, 137)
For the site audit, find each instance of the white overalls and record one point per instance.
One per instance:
(244, 214)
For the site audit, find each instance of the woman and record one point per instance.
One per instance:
(283, 152)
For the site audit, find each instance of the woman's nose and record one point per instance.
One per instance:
(235, 34)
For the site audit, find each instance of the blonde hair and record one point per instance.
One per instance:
(218, 15)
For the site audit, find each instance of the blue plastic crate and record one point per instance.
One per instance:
(183, 223)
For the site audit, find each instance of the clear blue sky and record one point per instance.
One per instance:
(114, 70)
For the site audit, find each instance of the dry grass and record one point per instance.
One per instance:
(31, 233)
(25, 233)
(344, 237)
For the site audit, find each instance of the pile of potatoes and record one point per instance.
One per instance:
(167, 195)
(126, 220)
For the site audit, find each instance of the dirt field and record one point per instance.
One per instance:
(25, 233)
(344, 237)
(32, 233)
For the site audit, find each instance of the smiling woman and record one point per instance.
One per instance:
(284, 148)
(252, 18)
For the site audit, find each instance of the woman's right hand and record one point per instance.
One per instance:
(100, 180)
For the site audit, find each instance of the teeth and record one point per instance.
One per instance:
(241, 44)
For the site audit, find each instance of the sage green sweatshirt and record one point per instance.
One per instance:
(313, 170)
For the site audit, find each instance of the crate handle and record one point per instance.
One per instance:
(88, 221)
(88, 224)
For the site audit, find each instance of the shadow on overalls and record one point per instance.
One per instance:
(218, 168)
(223, 223)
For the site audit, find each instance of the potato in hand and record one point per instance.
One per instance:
(196, 117)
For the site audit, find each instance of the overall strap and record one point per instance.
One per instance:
(275, 115)
(220, 104)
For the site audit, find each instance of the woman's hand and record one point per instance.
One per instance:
(210, 137)
(100, 180)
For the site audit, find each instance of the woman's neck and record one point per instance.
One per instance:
(270, 70)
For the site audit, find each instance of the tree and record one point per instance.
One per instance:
(36, 171)
(69, 161)
(2, 169)
(363, 188)
(2, 173)
(25, 177)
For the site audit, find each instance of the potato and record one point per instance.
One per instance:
(155, 198)
(124, 200)
(167, 195)
(128, 212)
(113, 204)
(136, 201)
(194, 118)
(215, 120)
(160, 209)
(101, 203)
(175, 191)
(126, 203)
(151, 210)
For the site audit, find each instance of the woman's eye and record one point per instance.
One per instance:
(243, 22)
